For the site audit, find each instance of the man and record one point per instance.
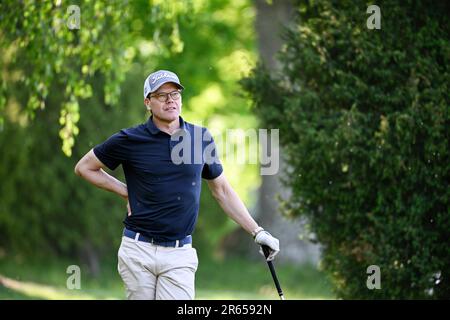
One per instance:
(156, 259)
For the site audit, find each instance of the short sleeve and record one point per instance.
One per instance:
(212, 167)
(112, 152)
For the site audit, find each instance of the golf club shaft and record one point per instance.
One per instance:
(266, 251)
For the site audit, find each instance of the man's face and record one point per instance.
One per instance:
(168, 110)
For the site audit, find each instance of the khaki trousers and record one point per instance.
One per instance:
(154, 272)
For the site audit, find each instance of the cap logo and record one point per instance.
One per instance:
(162, 75)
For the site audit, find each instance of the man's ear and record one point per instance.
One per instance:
(147, 103)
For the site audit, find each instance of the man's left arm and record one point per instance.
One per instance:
(233, 206)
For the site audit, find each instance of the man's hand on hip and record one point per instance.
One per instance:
(128, 208)
(266, 239)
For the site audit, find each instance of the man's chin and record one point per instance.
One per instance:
(170, 117)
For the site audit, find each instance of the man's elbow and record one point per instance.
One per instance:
(81, 169)
(78, 170)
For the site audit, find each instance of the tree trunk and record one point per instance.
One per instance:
(270, 20)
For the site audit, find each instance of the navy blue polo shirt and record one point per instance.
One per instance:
(163, 190)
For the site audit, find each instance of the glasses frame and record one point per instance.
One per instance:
(165, 96)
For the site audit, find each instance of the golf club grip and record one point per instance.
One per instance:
(266, 251)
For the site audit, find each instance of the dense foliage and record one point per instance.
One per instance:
(364, 121)
(71, 89)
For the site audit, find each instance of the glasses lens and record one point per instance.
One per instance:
(175, 95)
(163, 97)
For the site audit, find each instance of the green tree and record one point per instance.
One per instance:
(45, 43)
(364, 120)
(40, 196)
(48, 71)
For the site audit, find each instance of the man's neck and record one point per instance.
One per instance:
(165, 126)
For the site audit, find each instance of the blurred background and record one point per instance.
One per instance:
(360, 96)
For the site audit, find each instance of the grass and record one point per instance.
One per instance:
(233, 279)
(245, 279)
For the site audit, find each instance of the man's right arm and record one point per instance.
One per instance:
(91, 169)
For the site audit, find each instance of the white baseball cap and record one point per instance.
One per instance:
(157, 79)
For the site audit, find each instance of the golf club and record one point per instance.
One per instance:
(266, 251)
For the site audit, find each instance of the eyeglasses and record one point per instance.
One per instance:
(163, 97)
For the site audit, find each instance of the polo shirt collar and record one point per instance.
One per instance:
(154, 129)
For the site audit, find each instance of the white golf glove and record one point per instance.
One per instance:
(265, 238)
